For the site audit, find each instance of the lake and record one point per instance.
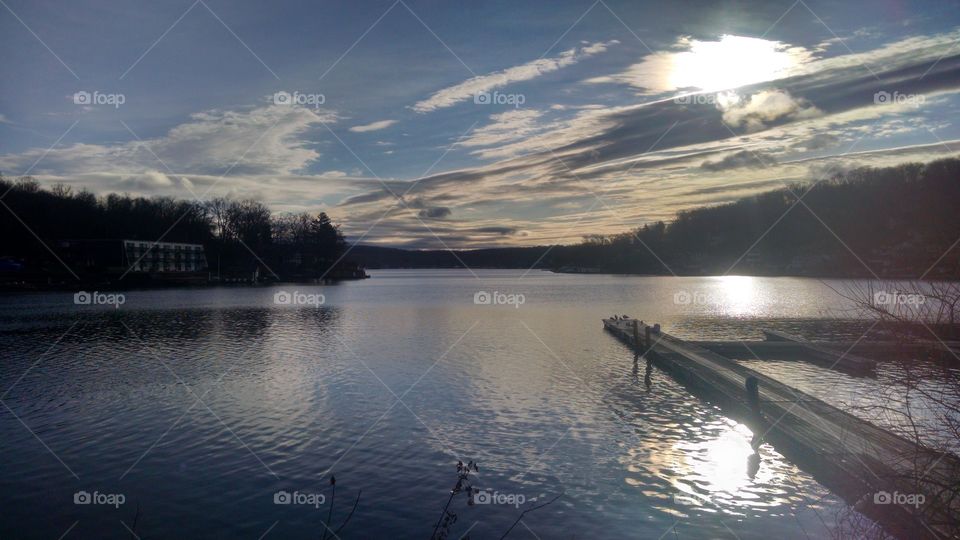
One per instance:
(201, 407)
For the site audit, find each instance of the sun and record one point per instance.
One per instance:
(731, 62)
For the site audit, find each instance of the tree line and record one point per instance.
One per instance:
(890, 222)
(893, 222)
(239, 236)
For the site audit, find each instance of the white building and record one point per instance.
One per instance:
(146, 256)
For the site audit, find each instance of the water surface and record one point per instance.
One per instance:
(199, 405)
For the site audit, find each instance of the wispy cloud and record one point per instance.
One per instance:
(452, 95)
(262, 151)
(373, 126)
(210, 142)
(516, 175)
(504, 128)
(651, 160)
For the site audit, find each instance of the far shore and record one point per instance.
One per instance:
(138, 282)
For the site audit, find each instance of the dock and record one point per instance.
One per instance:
(787, 349)
(823, 356)
(844, 356)
(856, 358)
(850, 456)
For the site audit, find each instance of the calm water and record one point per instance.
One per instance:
(200, 405)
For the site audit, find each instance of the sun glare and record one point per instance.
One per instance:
(731, 62)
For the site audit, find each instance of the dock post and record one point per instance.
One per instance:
(636, 334)
(753, 401)
(753, 393)
(646, 331)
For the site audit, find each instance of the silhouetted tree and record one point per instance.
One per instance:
(239, 235)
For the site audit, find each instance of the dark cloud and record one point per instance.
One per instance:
(819, 141)
(371, 196)
(502, 231)
(435, 212)
(734, 188)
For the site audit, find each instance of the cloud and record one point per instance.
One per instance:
(729, 62)
(436, 212)
(368, 197)
(819, 141)
(466, 90)
(502, 231)
(533, 172)
(258, 141)
(827, 170)
(736, 160)
(257, 152)
(650, 160)
(890, 57)
(504, 127)
(373, 126)
(767, 106)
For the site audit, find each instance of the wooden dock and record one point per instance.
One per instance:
(788, 350)
(848, 455)
(828, 358)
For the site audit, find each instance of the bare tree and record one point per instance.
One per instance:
(217, 209)
(910, 309)
(464, 485)
(924, 404)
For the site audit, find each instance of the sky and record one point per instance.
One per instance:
(433, 124)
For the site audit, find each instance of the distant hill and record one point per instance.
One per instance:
(384, 257)
(899, 221)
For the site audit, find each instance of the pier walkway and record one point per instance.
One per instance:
(850, 456)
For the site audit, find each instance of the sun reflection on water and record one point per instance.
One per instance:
(720, 464)
(715, 470)
(739, 295)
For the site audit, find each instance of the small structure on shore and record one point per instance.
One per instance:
(124, 255)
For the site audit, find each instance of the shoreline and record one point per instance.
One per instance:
(98, 285)
(36, 284)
